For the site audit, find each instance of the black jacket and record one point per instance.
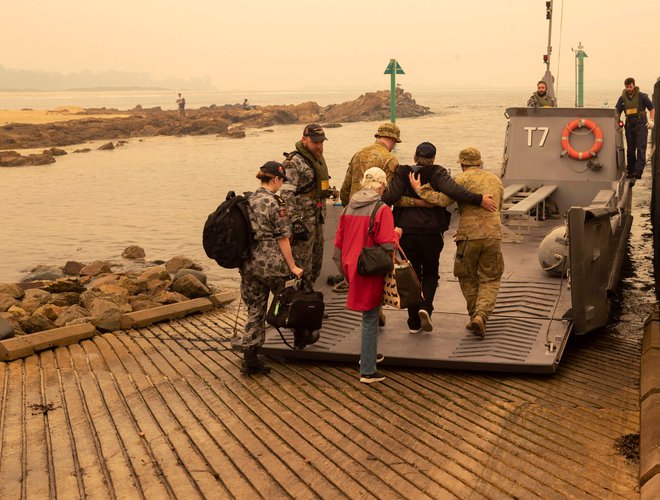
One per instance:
(418, 220)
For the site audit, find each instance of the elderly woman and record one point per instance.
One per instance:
(365, 293)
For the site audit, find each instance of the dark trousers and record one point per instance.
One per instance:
(636, 138)
(423, 252)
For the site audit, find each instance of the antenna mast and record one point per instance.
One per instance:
(547, 77)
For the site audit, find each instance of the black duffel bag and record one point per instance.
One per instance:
(296, 309)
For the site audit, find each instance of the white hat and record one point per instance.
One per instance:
(374, 174)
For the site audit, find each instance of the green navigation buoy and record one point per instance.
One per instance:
(579, 75)
(393, 69)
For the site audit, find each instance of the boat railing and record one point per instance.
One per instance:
(521, 210)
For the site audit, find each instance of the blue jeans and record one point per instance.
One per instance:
(369, 341)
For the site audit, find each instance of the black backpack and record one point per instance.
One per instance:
(227, 236)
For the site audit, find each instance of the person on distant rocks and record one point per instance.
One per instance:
(423, 228)
(541, 98)
(181, 103)
(478, 263)
(379, 154)
(306, 195)
(246, 104)
(270, 265)
(635, 103)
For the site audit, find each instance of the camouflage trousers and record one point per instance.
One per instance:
(254, 293)
(309, 254)
(479, 265)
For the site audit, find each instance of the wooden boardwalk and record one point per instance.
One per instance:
(163, 412)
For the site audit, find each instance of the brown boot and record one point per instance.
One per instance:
(478, 326)
(252, 364)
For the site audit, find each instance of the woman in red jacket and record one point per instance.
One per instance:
(365, 293)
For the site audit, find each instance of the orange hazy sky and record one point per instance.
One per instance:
(291, 44)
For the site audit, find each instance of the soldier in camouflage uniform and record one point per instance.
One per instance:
(541, 98)
(305, 195)
(270, 264)
(478, 264)
(378, 154)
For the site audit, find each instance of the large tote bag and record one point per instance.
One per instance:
(402, 288)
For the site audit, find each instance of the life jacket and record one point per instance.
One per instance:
(631, 106)
(319, 186)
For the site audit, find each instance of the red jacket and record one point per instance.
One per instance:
(364, 292)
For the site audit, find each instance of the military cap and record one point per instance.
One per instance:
(469, 157)
(315, 133)
(275, 169)
(425, 150)
(389, 130)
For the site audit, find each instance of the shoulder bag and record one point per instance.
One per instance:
(375, 260)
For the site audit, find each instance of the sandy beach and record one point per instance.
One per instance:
(41, 116)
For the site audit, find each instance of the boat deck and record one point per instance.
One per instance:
(162, 412)
(526, 333)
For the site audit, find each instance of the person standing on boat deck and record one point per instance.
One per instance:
(365, 293)
(305, 195)
(541, 98)
(181, 103)
(635, 103)
(379, 154)
(478, 264)
(423, 228)
(269, 266)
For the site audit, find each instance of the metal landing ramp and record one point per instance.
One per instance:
(526, 333)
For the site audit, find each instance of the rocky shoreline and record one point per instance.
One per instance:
(52, 297)
(227, 120)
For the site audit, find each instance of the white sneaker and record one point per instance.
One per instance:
(425, 318)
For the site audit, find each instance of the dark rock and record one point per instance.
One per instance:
(191, 287)
(170, 297)
(178, 262)
(14, 290)
(140, 304)
(34, 299)
(106, 147)
(332, 125)
(154, 273)
(6, 301)
(82, 150)
(36, 323)
(95, 268)
(49, 311)
(65, 285)
(197, 274)
(133, 252)
(6, 329)
(70, 314)
(41, 273)
(106, 315)
(72, 268)
(65, 299)
(54, 152)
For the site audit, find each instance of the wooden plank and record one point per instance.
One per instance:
(37, 443)
(138, 457)
(510, 190)
(323, 464)
(123, 481)
(12, 465)
(172, 454)
(166, 406)
(94, 477)
(66, 474)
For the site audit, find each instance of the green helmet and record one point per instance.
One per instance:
(470, 157)
(389, 130)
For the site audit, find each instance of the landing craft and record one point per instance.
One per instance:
(566, 219)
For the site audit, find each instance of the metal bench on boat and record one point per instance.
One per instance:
(521, 209)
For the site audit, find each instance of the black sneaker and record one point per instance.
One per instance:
(379, 358)
(372, 378)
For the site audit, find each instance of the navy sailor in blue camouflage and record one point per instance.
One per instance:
(305, 195)
(270, 265)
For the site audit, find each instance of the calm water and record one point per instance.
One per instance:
(157, 192)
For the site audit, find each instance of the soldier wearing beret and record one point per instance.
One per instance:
(478, 264)
(270, 265)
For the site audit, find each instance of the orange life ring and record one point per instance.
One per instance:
(570, 150)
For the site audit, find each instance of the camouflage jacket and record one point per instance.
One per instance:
(476, 223)
(375, 155)
(270, 222)
(302, 175)
(537, 101)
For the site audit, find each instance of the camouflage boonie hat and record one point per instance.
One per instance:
(470, 157)
(389, 130)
